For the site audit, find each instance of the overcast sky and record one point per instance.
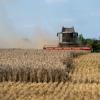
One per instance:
(24, 16)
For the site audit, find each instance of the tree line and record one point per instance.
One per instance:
(93, 43)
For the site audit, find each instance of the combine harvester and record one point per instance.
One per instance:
(68, 40)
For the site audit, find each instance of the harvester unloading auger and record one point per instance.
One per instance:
(68, 40)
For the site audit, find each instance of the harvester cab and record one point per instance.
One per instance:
(67, 37)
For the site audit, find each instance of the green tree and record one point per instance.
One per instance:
(89, 42)
(94, 43)
(81, 39)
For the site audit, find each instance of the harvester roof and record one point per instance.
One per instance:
(68, 30)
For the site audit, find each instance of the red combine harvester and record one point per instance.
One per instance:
(68, 40)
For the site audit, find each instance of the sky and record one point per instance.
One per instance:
(31, 19)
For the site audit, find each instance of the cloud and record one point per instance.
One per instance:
(55, 1)
(94, 13)
(6, 1)
(69, 20)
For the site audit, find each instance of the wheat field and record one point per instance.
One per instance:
(49, 91)
(48, 75)
(36, 65)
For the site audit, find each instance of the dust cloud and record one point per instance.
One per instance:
(42, 37)
(9, 37)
